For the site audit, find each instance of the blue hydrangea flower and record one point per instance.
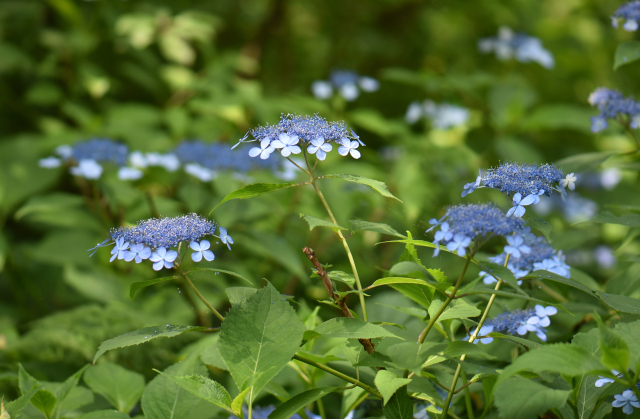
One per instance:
(225, 238)
(310, 132)
(129, 173)
(443, 116)
(88, 169)
(519, 203)
(459, 244)
(612, 103)
(137, 251)
(523, 48)
(630, 13)
(516, 246)
(201, 250)
(604, 380)
(470, 187)
(484, 330)
(521, 322)
(119, 250)
(163, 258)
(627, 401)
(347, 83)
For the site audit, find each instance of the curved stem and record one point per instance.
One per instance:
(338, 374)
(193, 287)
(473, 337)
(450, 297)
(341, 237)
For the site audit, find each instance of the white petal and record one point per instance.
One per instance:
(208, 255)
(519, 211)
(286, 152)
(171, 256)
(355, 154)
(266, 153)
(551, 310)
(277, 144)
(312, 149)
(321, 155)
(544, 322)
(255, 152)
(265, 143)
(158, 265)
(528, 200)
(517, 198)
(295, 149)
(326, 147)
(343, 151)
(511, 211)
(204, 245)
(195, 246)
(196, 256)
(318, 141)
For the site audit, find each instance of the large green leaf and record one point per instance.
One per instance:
(540, 225)
(258, 338)
(388, 383)
(620, 302)
(614, 350)
(14, 407)
(519, 398)
(255, 189)
(528, 343)
(399, 406)
(345, 327)
(164, 399)
(357, 225)
(299, 401)
(137, 286)
(457, 309)
(397, 280)
(206, 389)
(562, 358)
(239, 295)
(142, 336)
(409, 355)
(376, 185)
(317, 222)
(121, 387)
(542, 274)
(627, 52)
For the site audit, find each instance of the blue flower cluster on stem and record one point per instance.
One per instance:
(518, 322)
(613, 105)
(630, 13)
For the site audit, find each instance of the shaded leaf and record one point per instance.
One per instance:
(239, 295)
(620, 302)
(344, 327)
(255, 189)
(583, 162)
(299, 401)
(137, 286)
(626, 53)
(540, 225)
(205, 388)
(357, 225)
(519, 398)
(606, 217)
(457, 309)
(317, 222)
(376, 185)
(223, 271)
(121, 387)
(399, 406)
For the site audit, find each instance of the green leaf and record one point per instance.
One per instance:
(164, 399)
(223, 271)
(399, 406)
(137, 286)
(357, 225)
(626, 53)
(299, 401)
(540, 225)
(409, 253)
(236, 404)
(409, 355)
(317, 222)
(606, 217)
(69, 384)
(376, 185)
(16, 406)
(528, 343)
(255, 189)
(204, 388)
(487, 290)
(43, 400)
(457, 309)
(456, 349)
(345, 327)
(105, 414)
(412, 311)
(142, 336)
(341, 276)
(78, 397)
(620, 302)
(569, 360)
(239, 295)
(259, 337)
(121, 387)
(615, 352)
(520, 398)
(497, 271)
(396, 280)
(410, 269)
(542, 274)
(583, 162)
(388, 383)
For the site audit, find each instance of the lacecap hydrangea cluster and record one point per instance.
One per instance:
(312, 132)
(518, 322)
(627, 400)
(524, 183)
(630, 14)
(443, 116)
(153, 239)
(347, 83)
(523, 48)
(612, 103)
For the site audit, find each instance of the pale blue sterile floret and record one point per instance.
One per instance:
(294, 133)
(604, 380)
(612, 103)
(523, 48)
(225, 238)
(519, 322)
(519, 203)
(484, 331)
(119, 250)
(627, 401)
(347, 83)
(137, 251)
(201, 250)
(465, 223)
(516, 246)
(630, 13)
(163, 258)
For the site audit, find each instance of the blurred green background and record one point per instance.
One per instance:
(151, 73)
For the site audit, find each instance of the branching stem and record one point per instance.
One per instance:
(193, 287)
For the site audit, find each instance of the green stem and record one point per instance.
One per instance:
(338, 374)
(321, 410)
(341, 237)
(471, 339)
(204, 300)
(467, 397)
(450, 297)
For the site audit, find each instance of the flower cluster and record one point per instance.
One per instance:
(153, 239)
(463, 224)
(523, 48)
(313, 131)
(612, 103)
(85, 157)
(519, 322)
(627, 400)
(442, 116)
(525, 181)
(347, 83)
(630, 12)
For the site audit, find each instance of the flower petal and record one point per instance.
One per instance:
(196, 256)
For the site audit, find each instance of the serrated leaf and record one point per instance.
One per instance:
(615, 352)
(69, 384)
(620, 302)
(142, 336)
(341, 276)
(121, 387)
(606, 217)
(203, 387)
(345, 327)
(412, 311)
(376, 185)
(317, 222)
(16, 406)
(519, 398)
(409, 253)
(137, 286)
(255, 189)
(299, 401)
(357, 225)
(236, 404)
(399, 406)
(388, 383)
(164, 399)
(457, 309)
(410, 355)
(626, 53)
(540, 225)
(239, 295)
(259, 337)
